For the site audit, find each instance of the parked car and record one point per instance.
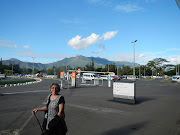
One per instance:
(116, 78)
(121, 77)
(89, 76)
(39, 75)
(176, 78)
(103, 77)
(2, 76)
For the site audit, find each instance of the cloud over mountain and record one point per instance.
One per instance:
(78, 43)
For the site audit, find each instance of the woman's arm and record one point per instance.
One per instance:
(61, 107)
(44, 108)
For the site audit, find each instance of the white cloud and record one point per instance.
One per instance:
(128, 8)
(141, 55)
(4, 43)
(50, 55)
(139, 58)
(148, 1)
(71, 21)
(109, 35)
(78, 43)
(175, 49)
(106, 3)
(26, 47)
(101, 47)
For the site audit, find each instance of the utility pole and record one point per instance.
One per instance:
(178, 69)
(12, 68)
(33, 66)
(134, 77)
(139, 71)
(144, 70)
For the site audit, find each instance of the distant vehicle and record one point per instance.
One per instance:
(28, 75)
(2, 76)
(16, 74)
(103, 77)
(176, 78)
(89, 76)
(116, 78)
(121, 77)
(51, 76)
(130, 77)
(39, 75)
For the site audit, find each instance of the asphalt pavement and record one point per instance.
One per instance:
(91, 110)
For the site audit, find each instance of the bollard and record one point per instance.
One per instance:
(109, 80)
(62, 84)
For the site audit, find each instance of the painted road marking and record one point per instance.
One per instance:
(97, 109)
(24, 92)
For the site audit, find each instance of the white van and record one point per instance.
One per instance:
(176, 78)
(104, 77)
(89, 76)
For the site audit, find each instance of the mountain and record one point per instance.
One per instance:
(77, 61)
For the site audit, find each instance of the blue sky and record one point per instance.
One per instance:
(52, 30)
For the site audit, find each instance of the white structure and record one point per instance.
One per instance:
(89, 76)
(125, 92)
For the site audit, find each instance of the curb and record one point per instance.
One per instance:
(20, 84)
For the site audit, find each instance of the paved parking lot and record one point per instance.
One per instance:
(91, 110)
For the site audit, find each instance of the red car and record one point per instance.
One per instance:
(39, 75)
(116, 78)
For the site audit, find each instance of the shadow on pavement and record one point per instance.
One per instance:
(127, 130)
(139, 100)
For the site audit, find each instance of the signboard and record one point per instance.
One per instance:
(73, 74)
(73, 80)
(79, 71)
(61, 74)
(124, 91)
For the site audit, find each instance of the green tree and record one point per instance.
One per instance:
(90, 67)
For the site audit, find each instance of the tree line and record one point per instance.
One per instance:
(155, 67)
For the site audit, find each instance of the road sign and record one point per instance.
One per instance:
(79, 71)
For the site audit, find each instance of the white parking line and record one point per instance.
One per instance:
(24, 92)
(97, 109)
(27, 121)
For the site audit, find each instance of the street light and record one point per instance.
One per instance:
(178, 65)
(33, 66)
(134, 77)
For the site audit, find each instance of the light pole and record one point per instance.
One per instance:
(178, 65)
(139, 71)
(12, 68)
(108, 66)
(134, 77)
(144, 70)
(33, 66)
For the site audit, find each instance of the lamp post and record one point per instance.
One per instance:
(33, 66)
(134, 77)
(108, 66)
(12, 68)
(139, 71)
(178, 65)
(144, 70)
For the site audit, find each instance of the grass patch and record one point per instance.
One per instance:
(16, 82)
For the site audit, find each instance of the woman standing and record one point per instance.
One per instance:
(55, 115)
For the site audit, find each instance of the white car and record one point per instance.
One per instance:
(103, 77)
(2, 76)
(176, 78)
(89, 76)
